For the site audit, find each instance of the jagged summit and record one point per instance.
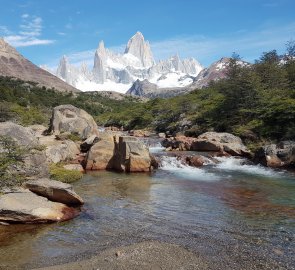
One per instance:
(117, 72)
(140, 48)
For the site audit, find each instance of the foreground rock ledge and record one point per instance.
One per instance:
(26, 207)
(55, 191)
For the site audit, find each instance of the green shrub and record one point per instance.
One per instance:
(57, 172)
(10, 155)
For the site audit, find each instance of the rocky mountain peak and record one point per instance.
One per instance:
(101, 48)
(141, 49)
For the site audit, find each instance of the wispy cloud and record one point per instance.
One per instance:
(29, 34)
(207, 49)
(249, 44)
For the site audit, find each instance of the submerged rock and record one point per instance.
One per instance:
(55, 191)
(25, 206)
(197, 161)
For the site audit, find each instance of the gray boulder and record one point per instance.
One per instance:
(68, 118)
(22, 135)
(25, 206)
(220, 142)
(62, 151)
(55, 191)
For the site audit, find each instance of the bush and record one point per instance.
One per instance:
(10, 155)
(57, 172)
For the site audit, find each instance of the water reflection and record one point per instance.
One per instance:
(116, 186)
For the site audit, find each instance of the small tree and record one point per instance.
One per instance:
(10, 154)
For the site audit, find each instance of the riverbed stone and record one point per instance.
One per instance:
(25, 206)
(55, 191)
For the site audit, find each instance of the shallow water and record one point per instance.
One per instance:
(234, 215)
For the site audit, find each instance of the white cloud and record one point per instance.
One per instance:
(29, 33)
(207, 49)
(4, 30)
(248, 44)
(24, 16)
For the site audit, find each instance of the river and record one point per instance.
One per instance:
(234, 215)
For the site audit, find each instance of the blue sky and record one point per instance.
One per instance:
(43, 30)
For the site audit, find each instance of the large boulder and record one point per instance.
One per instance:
(132, 155)
(276, 155)
(55, 191)
(123, 153)
(25, 206)
(220, 142)
(59, 151)
(33, 161)
(34, 164)
(22, 135)
(101, 154)
(68, 118)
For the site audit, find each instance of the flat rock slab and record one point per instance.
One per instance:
(55, 191)
(24, 206)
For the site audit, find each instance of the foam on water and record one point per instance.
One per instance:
(177, 167)
(156, 148)
(238, 164)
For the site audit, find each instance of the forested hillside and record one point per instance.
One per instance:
(256, 102)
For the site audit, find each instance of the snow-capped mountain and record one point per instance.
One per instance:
(117, 72)
(215, 72)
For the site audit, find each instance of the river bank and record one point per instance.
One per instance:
(144, 255)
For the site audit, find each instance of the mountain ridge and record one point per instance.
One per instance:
(118, 71)
(13, 64)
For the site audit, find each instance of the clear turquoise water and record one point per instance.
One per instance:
(235, 216)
